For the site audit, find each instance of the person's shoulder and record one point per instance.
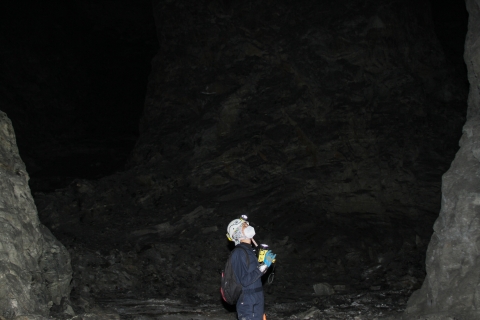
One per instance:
(239, 250)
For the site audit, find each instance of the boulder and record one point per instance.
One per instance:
(451, 287)
(35, 269)
(323, 289)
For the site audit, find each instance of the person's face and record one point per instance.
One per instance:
(244, 225)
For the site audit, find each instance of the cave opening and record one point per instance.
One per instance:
(331, 125)
(75, 79)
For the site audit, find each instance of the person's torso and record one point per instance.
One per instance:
(252, 264)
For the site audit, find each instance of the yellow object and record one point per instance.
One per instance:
(261, 254)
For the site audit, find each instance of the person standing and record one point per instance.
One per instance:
(248, 271)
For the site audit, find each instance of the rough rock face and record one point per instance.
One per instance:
(452, 284)
(35, 269)
(329, 123)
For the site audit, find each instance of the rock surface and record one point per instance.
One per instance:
(35, 269)
(451, 287)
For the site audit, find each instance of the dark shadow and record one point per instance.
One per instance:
(227, 306)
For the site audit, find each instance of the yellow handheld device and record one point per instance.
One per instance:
(262, 251)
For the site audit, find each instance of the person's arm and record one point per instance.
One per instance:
(240, 268)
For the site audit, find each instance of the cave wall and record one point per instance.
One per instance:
(452, 285)
(35, 269)
(329, 123)
(355, 106)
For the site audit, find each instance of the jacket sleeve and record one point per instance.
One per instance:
(239, 263)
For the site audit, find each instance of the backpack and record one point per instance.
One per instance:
(230, 288)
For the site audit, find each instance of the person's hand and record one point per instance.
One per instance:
(263, 267)
(269, 258)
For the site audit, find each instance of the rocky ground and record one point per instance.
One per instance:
(380, 304)
(344, 304)
(130, 271)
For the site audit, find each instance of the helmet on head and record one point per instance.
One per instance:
(234, 230)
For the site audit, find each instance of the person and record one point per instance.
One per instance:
(250, 305)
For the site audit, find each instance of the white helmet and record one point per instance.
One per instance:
(233, 227)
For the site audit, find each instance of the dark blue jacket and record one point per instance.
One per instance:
(248, 276)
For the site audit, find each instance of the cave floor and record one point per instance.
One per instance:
(137, 267)
(380, 304)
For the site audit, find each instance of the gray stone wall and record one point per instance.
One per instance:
(452, 285)
(35, 270)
